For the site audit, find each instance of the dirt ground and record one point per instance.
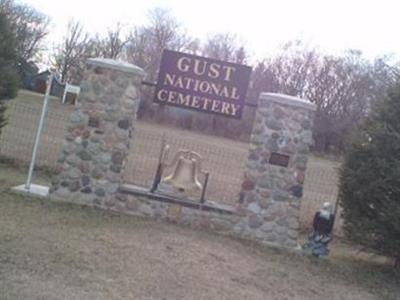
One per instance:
(60, 251)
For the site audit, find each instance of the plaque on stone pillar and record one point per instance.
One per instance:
(279, 159)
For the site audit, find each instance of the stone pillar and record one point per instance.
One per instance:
(97, 142)
(273, 183)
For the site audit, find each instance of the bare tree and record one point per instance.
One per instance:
(30, 27)
(226, 47)
(112, 45)
(146, 43)
(137, 49)
(193, 47)
(71, 54)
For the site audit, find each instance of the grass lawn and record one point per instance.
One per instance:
(52, 250)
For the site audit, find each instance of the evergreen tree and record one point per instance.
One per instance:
(370, 181)
(8, 56)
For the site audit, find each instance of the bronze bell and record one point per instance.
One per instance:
(185, 171)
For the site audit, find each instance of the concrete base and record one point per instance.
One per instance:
(35, 189)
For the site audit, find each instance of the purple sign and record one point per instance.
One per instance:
(203, 84)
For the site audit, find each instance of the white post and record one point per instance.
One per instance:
(65, 93)
(39, 132)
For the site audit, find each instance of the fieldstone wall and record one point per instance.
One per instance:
(90, 166)
(273, 183)
(140, 202)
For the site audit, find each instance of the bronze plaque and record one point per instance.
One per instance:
(278, 159)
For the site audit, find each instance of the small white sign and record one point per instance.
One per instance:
(69, 88)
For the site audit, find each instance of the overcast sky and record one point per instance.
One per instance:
(370, 25)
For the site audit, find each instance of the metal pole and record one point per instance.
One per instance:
(39, 132)
(336, 208)
(157, 177)
(203, 192)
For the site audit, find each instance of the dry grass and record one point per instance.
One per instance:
(224, 158)
(60, 251)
